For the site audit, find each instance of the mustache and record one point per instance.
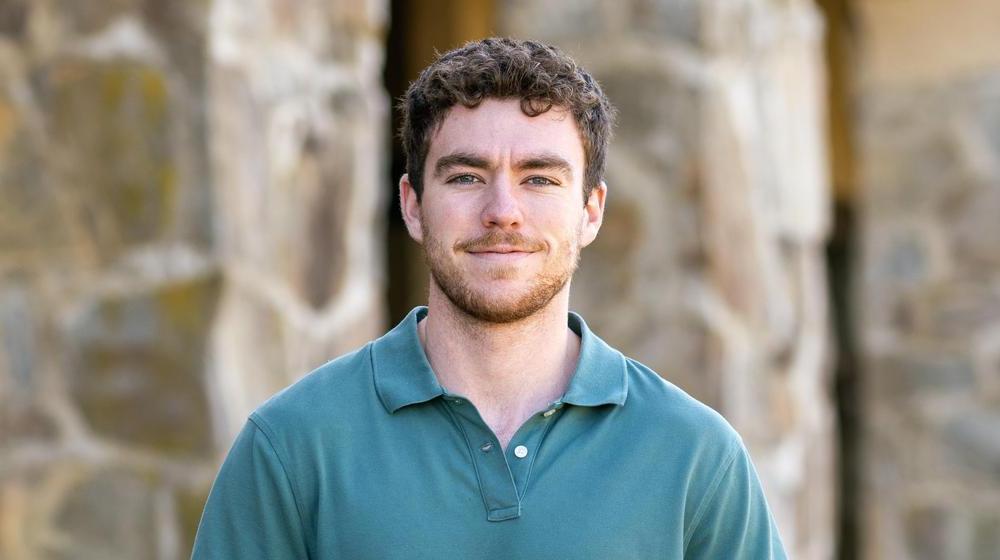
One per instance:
(495, 238)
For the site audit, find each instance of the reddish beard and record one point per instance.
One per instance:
(455, 283)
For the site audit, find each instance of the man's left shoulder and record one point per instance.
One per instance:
(673, 411)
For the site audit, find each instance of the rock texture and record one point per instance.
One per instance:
(929, 288)
(190, 216)
(709, 267)
(299, 134)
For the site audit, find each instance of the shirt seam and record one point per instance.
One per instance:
(264, 428)
(710, 496)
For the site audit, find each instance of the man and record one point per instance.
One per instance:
(492, 423)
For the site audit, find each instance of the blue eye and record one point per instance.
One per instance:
(464, 179)
(540, 181)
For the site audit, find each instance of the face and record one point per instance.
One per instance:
(500, 218)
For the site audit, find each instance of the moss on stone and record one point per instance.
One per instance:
(141, 361)
(111, 129)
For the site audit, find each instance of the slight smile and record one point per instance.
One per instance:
(501, 254)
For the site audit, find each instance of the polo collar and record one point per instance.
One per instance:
(403, 376)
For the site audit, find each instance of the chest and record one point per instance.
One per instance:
(449, 489)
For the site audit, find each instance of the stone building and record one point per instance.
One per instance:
(928, 284)
(196, 208)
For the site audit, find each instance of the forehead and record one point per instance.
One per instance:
(498, 129)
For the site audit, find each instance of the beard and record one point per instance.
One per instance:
(480, 303)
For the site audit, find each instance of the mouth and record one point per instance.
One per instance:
(501, 253)
(502, 249)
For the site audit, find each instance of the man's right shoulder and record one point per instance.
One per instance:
(326, 393)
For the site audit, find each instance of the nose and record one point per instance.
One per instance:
(502, 208)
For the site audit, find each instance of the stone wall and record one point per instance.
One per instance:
(928, 124)
(299, 139)
(190, 214)
(709, 267)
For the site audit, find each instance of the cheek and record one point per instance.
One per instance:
(450, 213)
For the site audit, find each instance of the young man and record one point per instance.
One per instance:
(492, 423)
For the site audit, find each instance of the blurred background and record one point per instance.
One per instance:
(803, 231)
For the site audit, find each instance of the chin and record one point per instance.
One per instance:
(502, 304)
(501, 312)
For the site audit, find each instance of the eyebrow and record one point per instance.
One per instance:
(540, 161)
(544, 162)
(460, 159)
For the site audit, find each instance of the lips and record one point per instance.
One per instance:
(501, 250)
(501, 255)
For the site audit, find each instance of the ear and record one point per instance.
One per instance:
(593, 214)
(410, 207)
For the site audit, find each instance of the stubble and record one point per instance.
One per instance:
(480, 303)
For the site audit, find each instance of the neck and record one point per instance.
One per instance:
(509, 371)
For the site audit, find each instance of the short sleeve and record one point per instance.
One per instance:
(734, 521)
(251, 510)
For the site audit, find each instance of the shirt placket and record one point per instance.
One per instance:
(523, 449)
(502, 476)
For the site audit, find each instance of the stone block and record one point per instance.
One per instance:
(18, 341)
(138, 372)
(13, 18)
(30, 219)
(607, 266)
(956, 311)
(111, 156)
(189, 504)
(294, 224)
(973, 435)
(107, 514)
(322, 180)
(21, 416)
(249, 354)
(75, 510)
(926, 170)
(555, 19)
(903, 255)
(8, 123)
(677, 20)
(974, 230)
(180, 28)
(84, 17)
(984, 113)
(658, 114)
(986, 536)
(925, 372)
(927, 532)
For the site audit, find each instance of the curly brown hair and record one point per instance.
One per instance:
(540, 75)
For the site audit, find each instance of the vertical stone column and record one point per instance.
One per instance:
(108, 285)
(929, 284)
(189, 217)
(710, 264)
(299, 122)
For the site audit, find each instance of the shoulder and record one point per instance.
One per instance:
(678, 416)
(329, 390)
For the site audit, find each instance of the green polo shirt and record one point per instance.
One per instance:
(369, 457)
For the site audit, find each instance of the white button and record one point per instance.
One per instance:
(520, 452)
(548, 413)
